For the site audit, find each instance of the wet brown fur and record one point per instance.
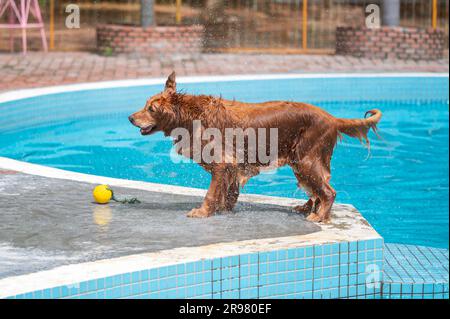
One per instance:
(307, 136)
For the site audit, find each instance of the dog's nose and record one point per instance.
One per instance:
(131, 119)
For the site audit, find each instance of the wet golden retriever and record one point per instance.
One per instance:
(306, 137)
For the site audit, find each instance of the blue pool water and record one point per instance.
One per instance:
(402, 188)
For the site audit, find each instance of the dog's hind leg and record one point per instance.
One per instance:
(318, 180)
(311, 205)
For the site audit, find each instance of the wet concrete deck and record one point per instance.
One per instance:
(46, 223)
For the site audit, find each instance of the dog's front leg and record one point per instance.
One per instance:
(213, 196)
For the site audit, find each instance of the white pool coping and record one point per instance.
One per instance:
(27, 93)
(347, 225)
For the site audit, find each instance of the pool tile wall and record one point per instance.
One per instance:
(415, 272)
(334, 270)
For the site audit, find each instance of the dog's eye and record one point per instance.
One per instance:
(151, 109)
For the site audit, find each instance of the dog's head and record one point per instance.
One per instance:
(158, 110)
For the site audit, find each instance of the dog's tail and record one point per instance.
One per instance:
(360, 127)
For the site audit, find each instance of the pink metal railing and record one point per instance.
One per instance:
(18, 17)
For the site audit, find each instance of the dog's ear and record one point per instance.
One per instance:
(171, 86)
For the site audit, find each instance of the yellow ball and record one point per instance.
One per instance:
(102, 194)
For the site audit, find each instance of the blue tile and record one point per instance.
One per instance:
(272, 267)
(126, 291)
(216, 286)
(249, 293)
(198, 266)
(343, 280)
(361, 256)
(116, 292)
(352, 268)
(172, 270)
(318, 250)
(361, 267)
(263, 257)
(308, 285)
(117, 281)
(428, 288)
(300, 252)
(378, 254)
(335, 248)
(216, 263)
(317, 284)
(244, 259)
(163, 272)
(362, 278)
(361, 290)
(216, 274)
(230, 294)
(281, 254)
(291, 253)
(254, 258)
(438, 288)
(153, 273)
(379, 243)
(47, 294)
(361, 245)
(343, 292)
(317, 294)
(299, 264)
(395, 288)
(407, 289)
(92, 285)
(352, 291)
(126, 278)
(272, 256)
(334, 293)
(56, 292)
(352, 279)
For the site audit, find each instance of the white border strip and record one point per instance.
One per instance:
(27, 93)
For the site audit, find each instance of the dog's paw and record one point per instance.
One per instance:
(313, 217)
(303, 209)
(198, 213)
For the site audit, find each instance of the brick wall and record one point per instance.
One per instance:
(391, 42)
(183, 41)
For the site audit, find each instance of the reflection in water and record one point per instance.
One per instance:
(102, 215)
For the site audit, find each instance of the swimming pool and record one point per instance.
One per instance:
(401, 189)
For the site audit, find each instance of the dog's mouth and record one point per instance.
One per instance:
(148, 130)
